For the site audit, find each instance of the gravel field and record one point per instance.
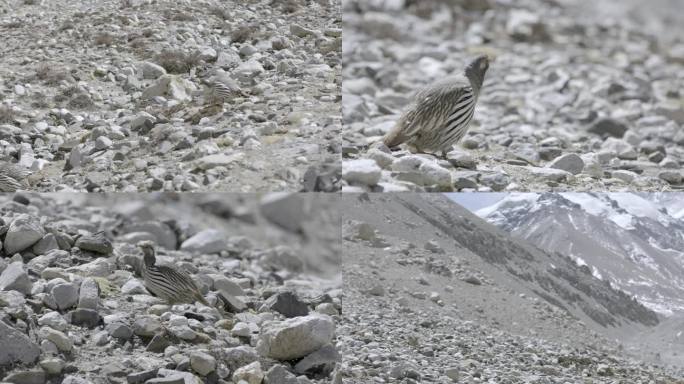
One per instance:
(74, 308)
(578, 96)
(111, 95)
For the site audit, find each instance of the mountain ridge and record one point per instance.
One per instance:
(627, 240)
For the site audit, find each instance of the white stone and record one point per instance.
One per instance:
(550, 174)
(241, 329)
(133, 287)
(202, 363)
(569, 162)
(53, 320)
(206, 241)
(433, 174)
(224, 284)
(384, 160)
(170, 86)
(361, 171)
(624, 175)
(103, 142)
(52, 366)
(592, 165)
(62, 341)
(207, 54)
(250, 374)
(146, 326)
(295, 337)
(250, 68)
(23, 232)
(65, 295)
(620, 147)
(151, 70)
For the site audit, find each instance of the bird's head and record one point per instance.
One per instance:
(475, 71)
(147, 248)
(479, 65)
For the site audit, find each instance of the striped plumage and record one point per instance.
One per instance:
(221, 86)
(439, 114)
(225, 91)
(165, 282)
(13, 177)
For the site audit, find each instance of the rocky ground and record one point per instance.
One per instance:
(578, 96)
(108, 95)
(73, 308)
(419, 308)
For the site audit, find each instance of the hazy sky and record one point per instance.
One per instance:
(475, 201)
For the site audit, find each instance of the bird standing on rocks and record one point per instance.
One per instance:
(221, 87)
(439, 114)
(13, 177)
(165, 282)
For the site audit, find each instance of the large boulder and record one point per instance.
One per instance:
(16, 347)
(296, 337)
(65, 295)
(172, 87)
(163, 234)
(150, 70)
(206, 241)
(23, 232)
(287, 210)
(97, 242)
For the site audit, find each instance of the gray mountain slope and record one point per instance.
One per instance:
(522, 292)
(554, 277)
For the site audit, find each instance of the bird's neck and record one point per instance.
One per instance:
(476, 79)
(150, 260)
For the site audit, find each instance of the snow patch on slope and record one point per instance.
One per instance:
(679, 214)
(598, 207)
(513, 202)
(640, 207)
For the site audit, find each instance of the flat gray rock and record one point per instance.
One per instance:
(296, 337)
(23, 232)
(96, 242)
(207, 241)
(17, 348)
(14, 278)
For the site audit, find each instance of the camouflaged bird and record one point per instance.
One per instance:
(439, 114)
(13, 177)
(165, 282)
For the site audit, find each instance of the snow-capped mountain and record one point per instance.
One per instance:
(633, 241)
(673, 202)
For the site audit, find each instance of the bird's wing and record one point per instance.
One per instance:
(448, 85)
(16, 171)
(431, 101)
(434, 103)
(181, 279)
(9, 184)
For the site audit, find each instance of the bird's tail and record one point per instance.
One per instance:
(201, 299)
